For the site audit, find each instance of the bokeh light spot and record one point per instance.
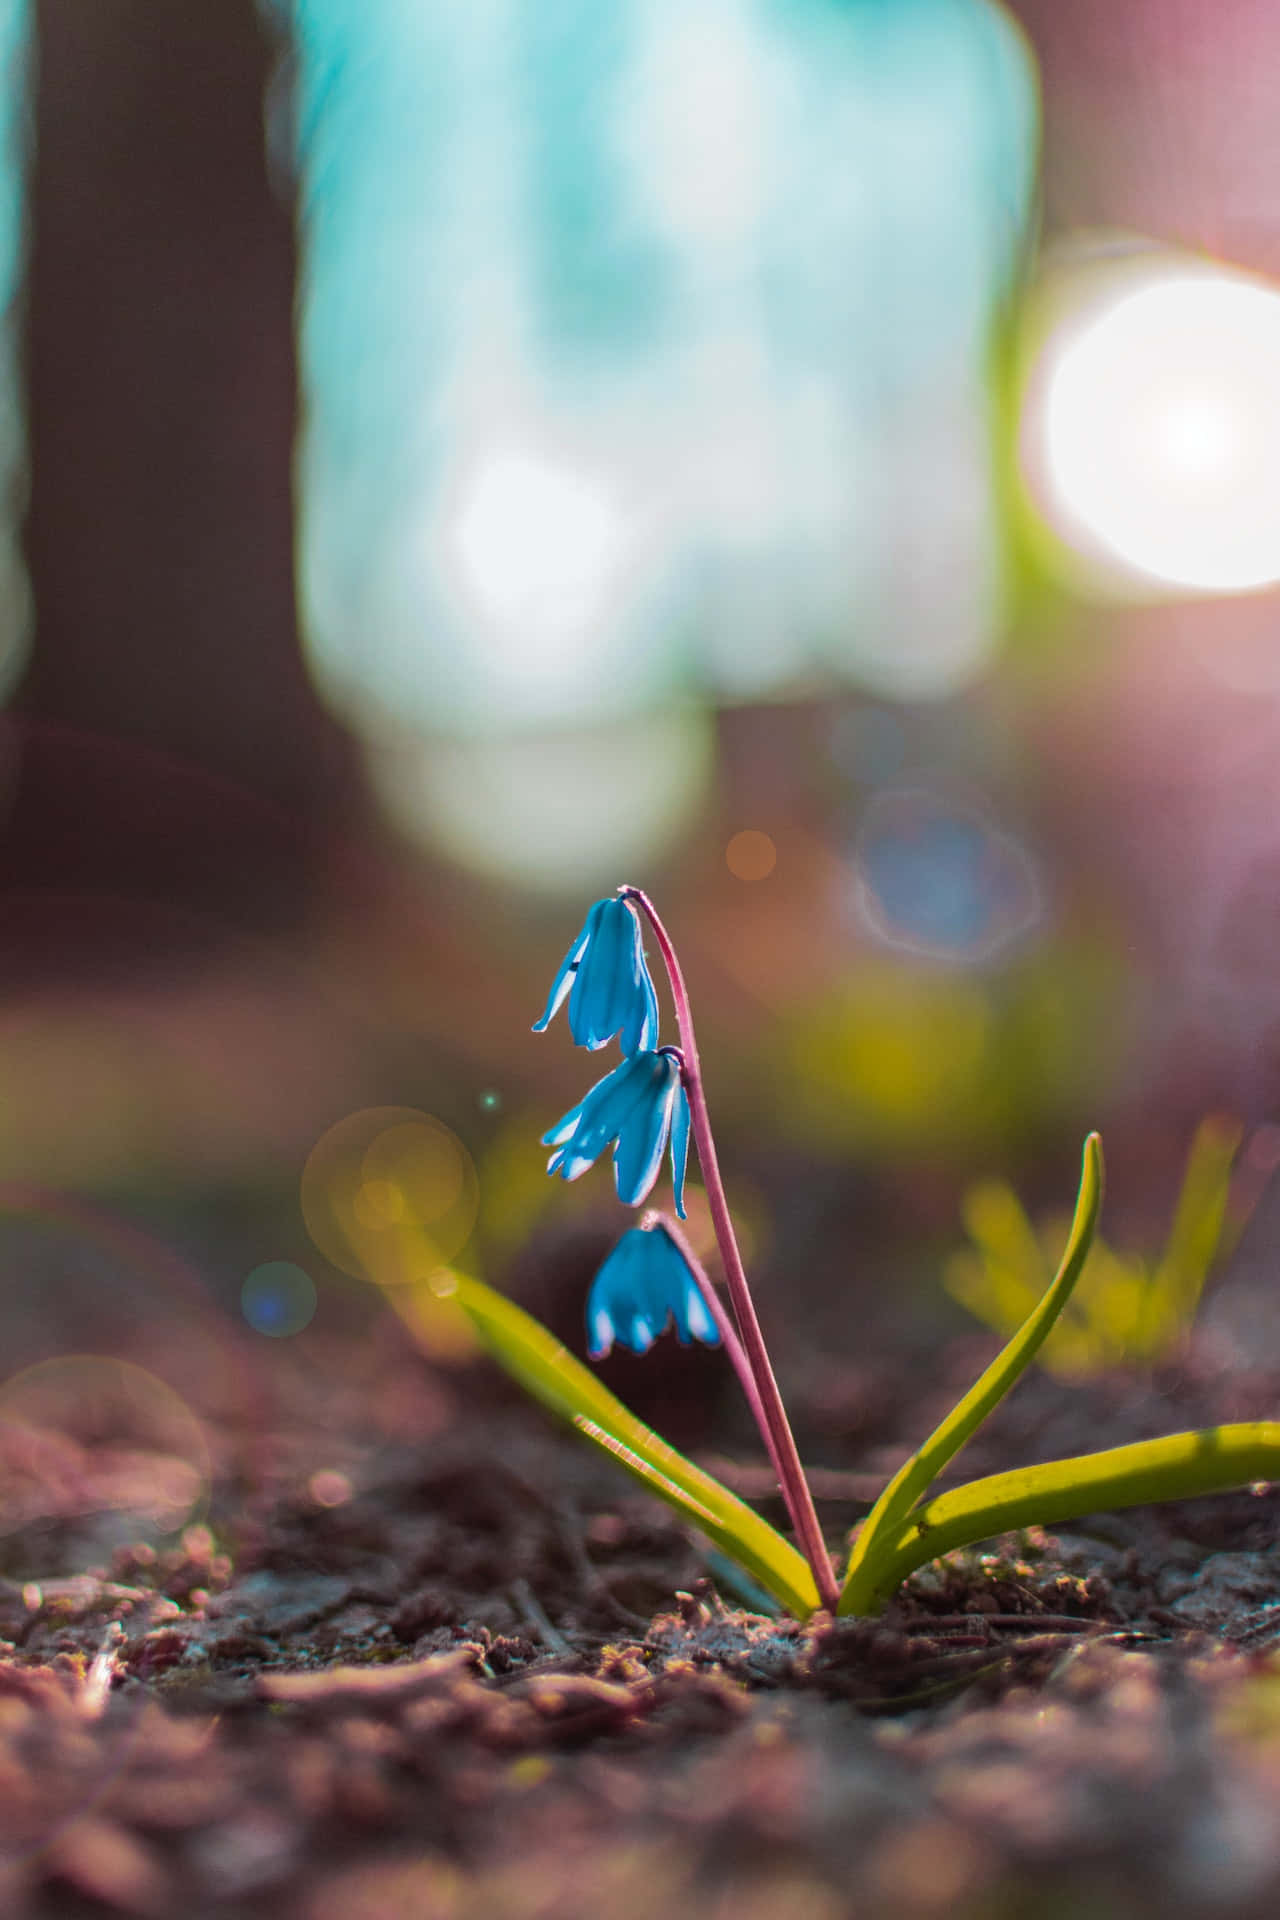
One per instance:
(329, 1488)
(490, 1100)
(417, 1172)
(536, 546)
(93, 1434)
(559, 813)
(936, 878)
(643, 354)
(1153, 432)
(390, 1195)
(278, 1298)
(751, 855)
(379, 1203)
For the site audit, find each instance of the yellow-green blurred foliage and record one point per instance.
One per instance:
(515, 1193)
(907, 1057)
(1125, 1308)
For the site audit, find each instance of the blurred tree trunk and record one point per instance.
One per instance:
(168, 742)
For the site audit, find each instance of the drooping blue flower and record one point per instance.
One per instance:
(643, 1287)
(606, 979)
(638, 1106)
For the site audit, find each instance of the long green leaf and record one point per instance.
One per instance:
(1177, 1467)
(914, 1478)
(535, 1358)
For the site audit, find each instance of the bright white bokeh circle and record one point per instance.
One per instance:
(1159, 427)
(536, 543)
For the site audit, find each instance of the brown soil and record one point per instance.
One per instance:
(467, 1671)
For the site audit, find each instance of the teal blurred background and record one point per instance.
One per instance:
(457, 458)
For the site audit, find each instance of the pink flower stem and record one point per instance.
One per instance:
(766, 1402)
(733, 1347)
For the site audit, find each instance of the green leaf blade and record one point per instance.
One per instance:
(917, 1474)
(1179, 1466)
(548, 1371)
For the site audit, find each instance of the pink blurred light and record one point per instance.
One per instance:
(1160, 116)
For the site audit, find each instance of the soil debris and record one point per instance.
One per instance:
(483, 1677)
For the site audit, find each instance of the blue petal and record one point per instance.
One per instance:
(641, 1030)
(585, 1116)
(689, 1309)
(641, 1335)
(628, 1295)
(697, 1318)
(625, 1106)
(617, 1287)
(679, 1147)
(635, 1002)
(565, 978)
(605, 977)
(595, 991)
(643, 1286)
(670, 1271)
(616, 1104)
(642, 1141)
(563, 1128)
(568, 1163)
(601, 1332)
(613, 993)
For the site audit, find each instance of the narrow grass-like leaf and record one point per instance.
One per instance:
(914, 1478)
(1175, 1287)
(1177, 1467)
(542, 1365)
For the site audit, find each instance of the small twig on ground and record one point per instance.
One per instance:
(97, 1683)
(569, 1528)
(528, 1603)
(1019, 1622)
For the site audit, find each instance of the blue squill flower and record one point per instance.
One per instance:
(637, 1106)
(607, 983)
(644, 1286)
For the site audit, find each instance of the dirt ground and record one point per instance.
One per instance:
(449, 1665)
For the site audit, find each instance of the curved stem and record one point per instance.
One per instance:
(770, 1411)
(724, 1323)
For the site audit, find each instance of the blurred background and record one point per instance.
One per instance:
(816, 459)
